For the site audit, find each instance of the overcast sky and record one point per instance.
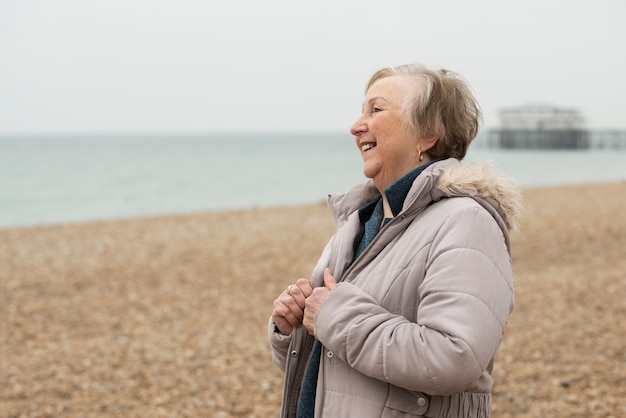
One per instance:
(99, 66)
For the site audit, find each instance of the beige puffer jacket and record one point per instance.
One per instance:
(413, 328)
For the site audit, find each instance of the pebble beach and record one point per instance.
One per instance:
(166, 316)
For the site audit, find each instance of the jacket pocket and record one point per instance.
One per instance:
(404, 403)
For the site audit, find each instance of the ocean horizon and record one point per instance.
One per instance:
(53, 179)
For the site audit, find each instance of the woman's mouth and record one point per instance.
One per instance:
(368, 146)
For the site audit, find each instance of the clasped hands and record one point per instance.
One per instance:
(299, 303)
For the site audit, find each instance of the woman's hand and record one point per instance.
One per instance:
(313, 302)
(289, 306)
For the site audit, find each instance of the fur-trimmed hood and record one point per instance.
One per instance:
(447, 178)
(480, 181)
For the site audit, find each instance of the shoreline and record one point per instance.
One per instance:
(166, 315)
(200, 212)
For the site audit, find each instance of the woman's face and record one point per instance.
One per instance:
(388, 149)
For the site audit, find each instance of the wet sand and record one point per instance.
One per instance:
(165, 316)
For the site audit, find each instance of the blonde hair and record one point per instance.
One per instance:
(446, 108)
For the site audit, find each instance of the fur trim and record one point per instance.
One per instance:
(482, 181)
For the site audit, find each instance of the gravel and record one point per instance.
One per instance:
(166, 316)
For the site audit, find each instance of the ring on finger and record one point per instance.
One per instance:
(288, 290)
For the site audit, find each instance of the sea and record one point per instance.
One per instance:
(53, 179)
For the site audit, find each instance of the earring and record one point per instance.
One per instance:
(419, 155)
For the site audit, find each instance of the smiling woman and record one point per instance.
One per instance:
(388, 146)
(405, 310)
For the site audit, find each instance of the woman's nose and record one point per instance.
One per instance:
(358, 127)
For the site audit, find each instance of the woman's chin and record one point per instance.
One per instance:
(371, 170)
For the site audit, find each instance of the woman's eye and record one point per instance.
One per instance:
(376, 109)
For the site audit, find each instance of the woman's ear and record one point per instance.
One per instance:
(427, 143)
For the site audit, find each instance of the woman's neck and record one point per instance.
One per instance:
(387, 213)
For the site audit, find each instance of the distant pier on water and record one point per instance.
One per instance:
(549, 127)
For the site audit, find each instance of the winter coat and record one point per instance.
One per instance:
(413, 326)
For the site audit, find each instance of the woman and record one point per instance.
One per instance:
(406, 308)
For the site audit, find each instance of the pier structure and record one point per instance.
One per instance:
(607, 139)
(540, 127)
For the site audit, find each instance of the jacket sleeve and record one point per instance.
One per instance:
(279, 344)
(464, 303)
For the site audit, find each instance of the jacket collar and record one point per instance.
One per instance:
(442, 179)
(396, 194)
